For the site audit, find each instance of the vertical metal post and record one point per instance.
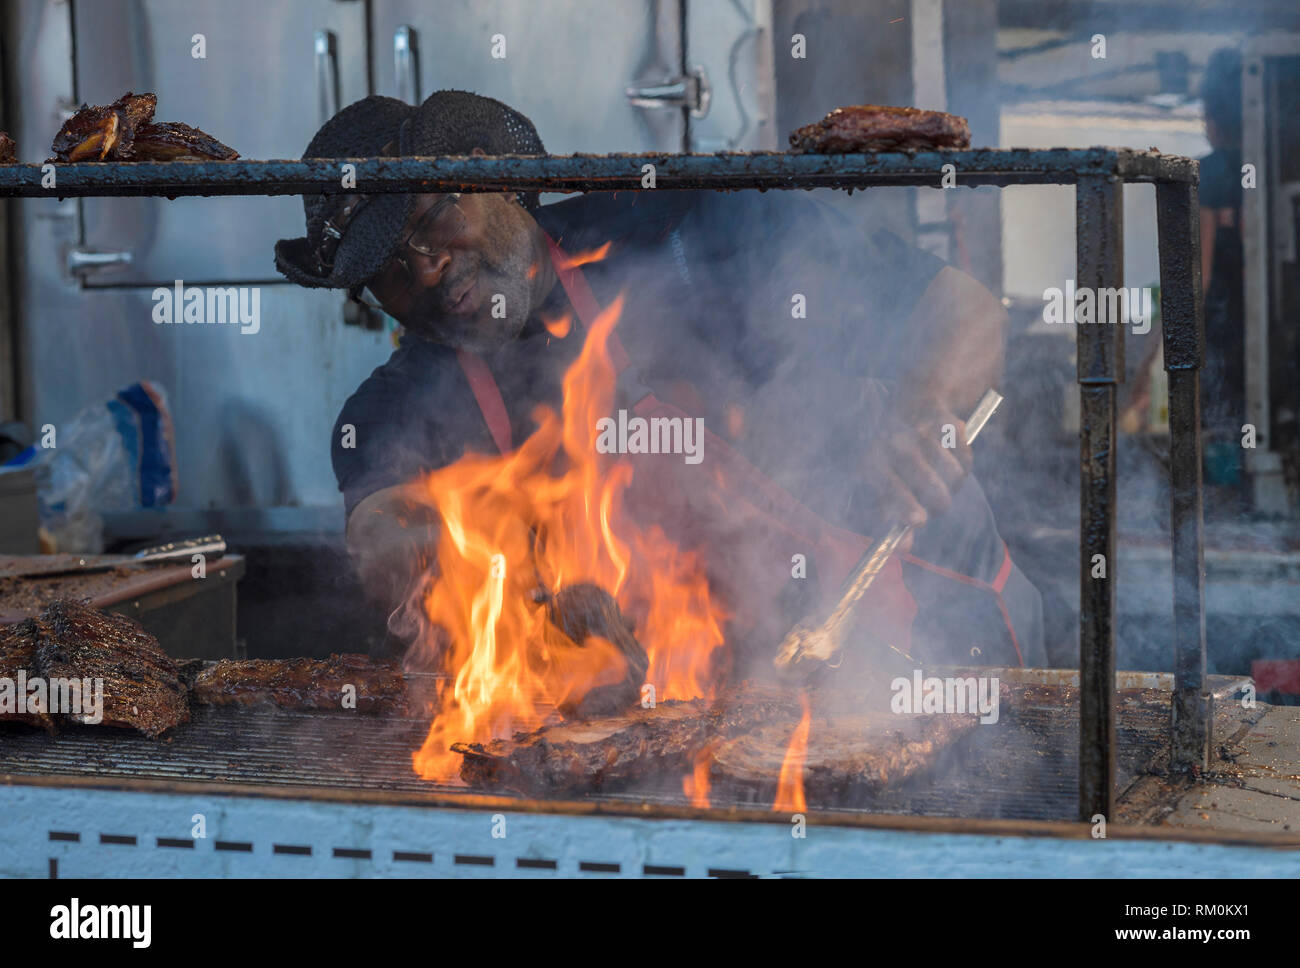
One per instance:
(1184, 343)
(1099, 242)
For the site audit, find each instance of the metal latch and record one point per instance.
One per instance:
(84, 262)
(690, 91)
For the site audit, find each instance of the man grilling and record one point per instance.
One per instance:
(831, 371)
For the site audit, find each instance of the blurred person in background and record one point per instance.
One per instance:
(1224, 386)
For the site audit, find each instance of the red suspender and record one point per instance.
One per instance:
(584, 301)
(995, 589)
(484, 385)
(784, 507)
(488, 396)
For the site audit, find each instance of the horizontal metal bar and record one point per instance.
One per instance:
(51, 831)
(82, 788)
(581, 173)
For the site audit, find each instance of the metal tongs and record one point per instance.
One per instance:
(814, 644)
(31, 566)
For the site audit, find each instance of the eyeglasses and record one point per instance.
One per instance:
(437, 228)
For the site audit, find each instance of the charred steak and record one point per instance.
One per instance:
(871, 127)
(845, 754)
(141, 687)
(303, 684)
(612, 753)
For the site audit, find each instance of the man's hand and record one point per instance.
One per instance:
(907, 472)
(393, 538)
(945, 356)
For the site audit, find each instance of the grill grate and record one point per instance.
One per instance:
(1024, 767)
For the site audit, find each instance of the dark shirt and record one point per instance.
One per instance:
(710, 281)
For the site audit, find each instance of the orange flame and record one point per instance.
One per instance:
(696, 783)
(735, 416)
(573, 260)
(558, 327)
(550, 514)
(789, 788)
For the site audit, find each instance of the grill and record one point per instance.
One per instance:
(1023, 767)
(286, 794)
(1107, 749)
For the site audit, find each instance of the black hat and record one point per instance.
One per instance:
(361, 130)
(351, 237)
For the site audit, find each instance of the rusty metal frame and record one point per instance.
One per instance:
(1098, 174)
(586, 173)
(1183, 329)
(1099, 245)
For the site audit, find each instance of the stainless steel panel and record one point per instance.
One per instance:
(732, 41)
(253, 413)
(566, 64)
(259, 89)
(258, 409)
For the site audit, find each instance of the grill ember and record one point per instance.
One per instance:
(520, 528)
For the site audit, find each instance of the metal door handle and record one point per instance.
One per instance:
(327, 74)
(82, 262)
(406, 63)
(690, 91)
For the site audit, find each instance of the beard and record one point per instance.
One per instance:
(505, 301)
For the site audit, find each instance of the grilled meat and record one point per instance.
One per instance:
(8, 150)
(18, 655)
(126, 131)
(173, 141)
(582, 611)
(303, 683)
(846, 755)
(870, 127)
(141, 687)
(609, 754)
(104, 133)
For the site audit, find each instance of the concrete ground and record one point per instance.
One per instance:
(1255, 785)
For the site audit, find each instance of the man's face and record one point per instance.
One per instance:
(450, 294)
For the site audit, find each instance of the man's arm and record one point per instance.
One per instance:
(950, 352)
(953, 345)
(392, 536)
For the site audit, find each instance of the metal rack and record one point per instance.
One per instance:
(1098, 175)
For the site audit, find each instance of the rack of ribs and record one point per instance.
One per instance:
(304, 684)
(17, 663)
(70, 641)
